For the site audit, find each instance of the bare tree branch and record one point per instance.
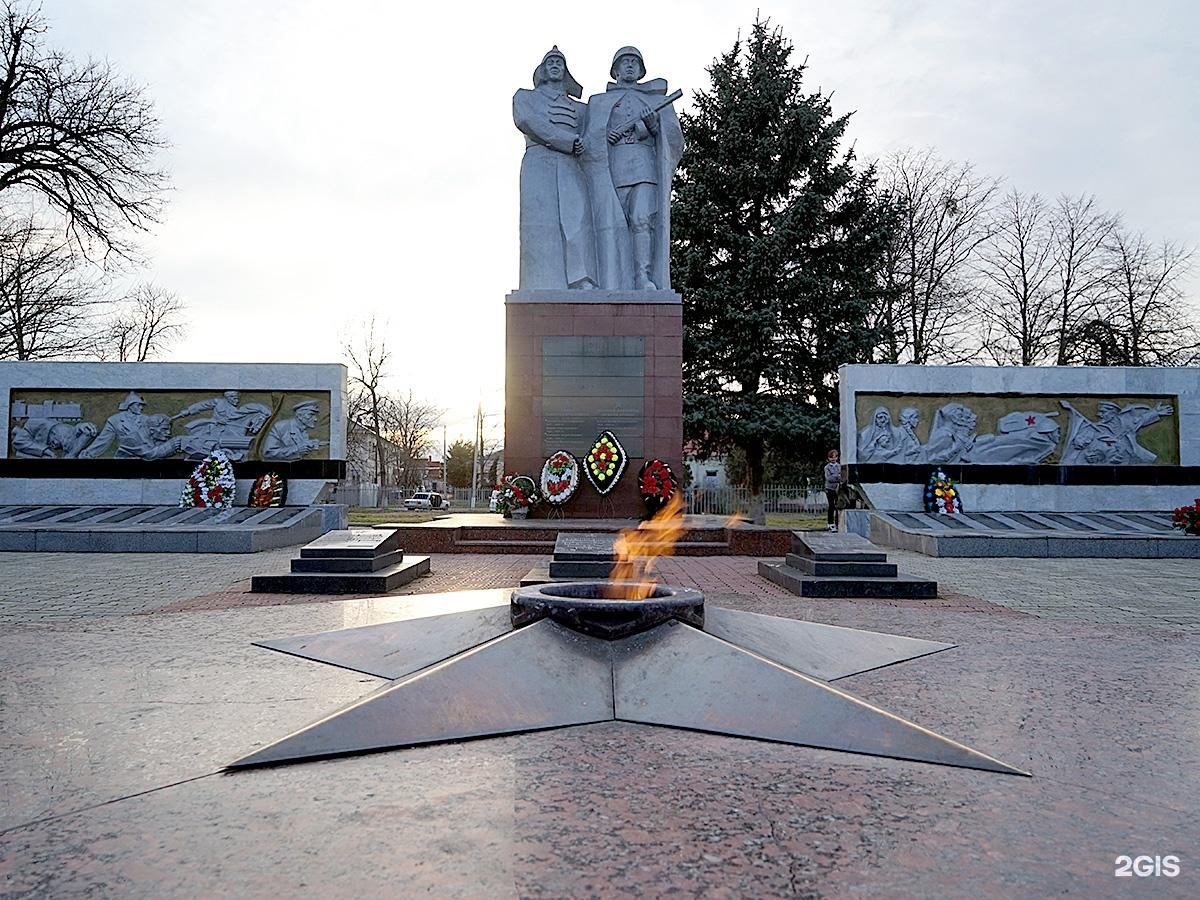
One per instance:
(76, 135)
(148, 321)
(48, 301)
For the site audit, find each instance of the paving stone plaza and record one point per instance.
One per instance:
(130, 682)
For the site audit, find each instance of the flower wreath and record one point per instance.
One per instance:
(941, 496)
(656, 484)
(1187, 519)
(268, 490)
(605, 462)
(516, 492)
(560, 478)
(211, 484)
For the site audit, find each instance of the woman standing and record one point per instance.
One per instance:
(833, 481)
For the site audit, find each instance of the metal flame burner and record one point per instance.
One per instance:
(602, 608)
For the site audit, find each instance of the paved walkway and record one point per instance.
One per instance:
(64, 587)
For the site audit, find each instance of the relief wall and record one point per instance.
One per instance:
(1027, 429)
(275, 426)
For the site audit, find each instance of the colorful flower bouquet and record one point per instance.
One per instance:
(518, 494)
(268, 490)
(656, 484)
(211, 484)
(560, 478)
(1187, 519)
(605, 462)
(941, 496)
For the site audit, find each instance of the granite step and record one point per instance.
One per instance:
(380, 582)
(831, 546)
(900, 587)
(345, 544)
(309, 564)
(841, 568)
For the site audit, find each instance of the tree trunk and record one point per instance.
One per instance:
(755, 455)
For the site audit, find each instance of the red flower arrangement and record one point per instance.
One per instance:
(656, 484)
(268, 490)
(211, 484)
(560, 477)
(1187, 519)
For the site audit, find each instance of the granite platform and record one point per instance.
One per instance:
(162, 529)
(842, 565)
(346, 562)
(1101, 534)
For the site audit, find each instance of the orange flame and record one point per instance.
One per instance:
(637, 549)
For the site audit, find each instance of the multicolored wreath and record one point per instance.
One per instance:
(605, 462)
(211, 484)
(941, 496)
(516, 492)
(268, 490)
(1187, 518)
(656, 484)
(560, 478)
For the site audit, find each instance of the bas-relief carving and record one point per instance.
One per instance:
(57, 429)
(596, 179)
(1021, 436)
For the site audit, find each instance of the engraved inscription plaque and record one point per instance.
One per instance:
(590, 384)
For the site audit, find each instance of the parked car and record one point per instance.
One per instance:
(426, 500)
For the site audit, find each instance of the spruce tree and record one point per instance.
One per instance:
(777, 248)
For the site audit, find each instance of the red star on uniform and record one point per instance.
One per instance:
(1031, 420)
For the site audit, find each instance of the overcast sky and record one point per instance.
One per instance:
(334, 161)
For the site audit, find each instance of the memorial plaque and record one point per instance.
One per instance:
(589, 385)
(357, 544)
(591, 546)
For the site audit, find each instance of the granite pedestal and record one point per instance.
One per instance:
(577, 367)
(346, 562)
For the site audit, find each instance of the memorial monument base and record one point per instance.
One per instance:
(576, 367)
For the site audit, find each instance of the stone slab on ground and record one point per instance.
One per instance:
(846, 586)
(1057, 535)
(352, 544)
(157, 529)
(382, 581)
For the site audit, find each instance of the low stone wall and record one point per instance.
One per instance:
(1035, 438)
(131, 433)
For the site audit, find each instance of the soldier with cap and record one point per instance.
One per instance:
(557, 241)
(288, 438)
(630, 155)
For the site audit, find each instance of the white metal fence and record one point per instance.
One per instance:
(777, 498)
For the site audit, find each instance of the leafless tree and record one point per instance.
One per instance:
(1019, 308)
(410, 424)
(368, 356)
(48, 302)
(943, 212)
(76, 135)
(1144, 318)
(147, 321)
(1080, 234)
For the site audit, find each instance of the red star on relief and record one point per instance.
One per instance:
(1031, 420)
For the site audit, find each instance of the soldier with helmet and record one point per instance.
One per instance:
(629, 155)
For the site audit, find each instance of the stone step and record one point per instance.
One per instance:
(830, 546)
(902, 586)
(366, 544)
(347, 563)
(841, 569)
(342, 582)
(543, 547)
(581, 568)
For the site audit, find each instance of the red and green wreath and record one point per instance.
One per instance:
(1187, 519)
(211, 483)
(560, 478)
(605, 462)
(268, 490)
(656, 484)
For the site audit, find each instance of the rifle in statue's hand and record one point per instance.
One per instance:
(621, 130)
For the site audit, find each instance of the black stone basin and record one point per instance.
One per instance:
(595, 607)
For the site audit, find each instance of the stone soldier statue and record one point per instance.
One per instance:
(630, 151)
(288, 438)
(557, 241)
(134, 432)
